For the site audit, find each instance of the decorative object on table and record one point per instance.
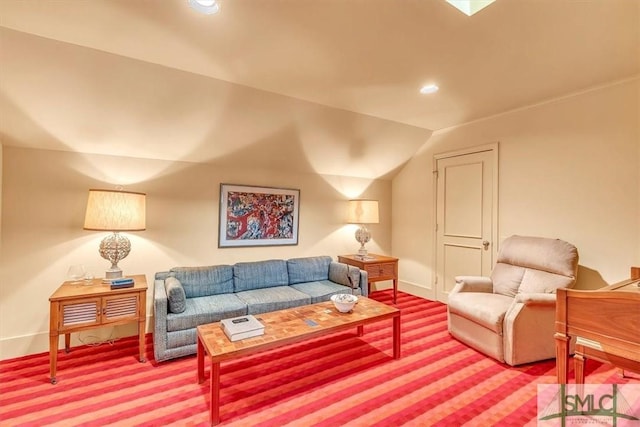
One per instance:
(115, 211)
(76, 273)
(363, 212)
(344, 302)
(258, 216)
(125, 282)
(239, 328)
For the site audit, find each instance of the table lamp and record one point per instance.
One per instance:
(115, 211)
(363, 212)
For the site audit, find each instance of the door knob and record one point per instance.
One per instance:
(485, 244)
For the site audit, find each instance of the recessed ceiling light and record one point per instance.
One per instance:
(208, 7)
(429, 89)
(469, 7)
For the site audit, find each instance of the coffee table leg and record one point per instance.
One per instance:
(360, 330)
(396, 337)
(215, 393)
(200, 352)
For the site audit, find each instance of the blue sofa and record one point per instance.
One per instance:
(185, 297)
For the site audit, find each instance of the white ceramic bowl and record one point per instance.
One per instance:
(344, 302)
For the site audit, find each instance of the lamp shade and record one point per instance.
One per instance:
(112, 210)
(363, 212)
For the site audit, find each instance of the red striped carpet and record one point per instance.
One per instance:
(338, 380)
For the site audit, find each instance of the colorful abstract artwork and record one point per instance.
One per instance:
(258, 216)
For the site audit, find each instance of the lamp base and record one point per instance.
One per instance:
(114, 248)
(113, 273)
(363, 235)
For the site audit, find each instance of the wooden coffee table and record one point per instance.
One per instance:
(286, 327)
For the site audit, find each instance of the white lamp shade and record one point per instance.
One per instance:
(363, 212)
(112, 210)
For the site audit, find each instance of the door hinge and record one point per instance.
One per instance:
(435, 172)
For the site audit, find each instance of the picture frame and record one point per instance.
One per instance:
(258, 216)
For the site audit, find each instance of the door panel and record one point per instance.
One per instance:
(466, 217)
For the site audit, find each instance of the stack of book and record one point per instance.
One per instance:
(238, 328)
(124, 282)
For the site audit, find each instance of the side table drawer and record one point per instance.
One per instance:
(380, 270)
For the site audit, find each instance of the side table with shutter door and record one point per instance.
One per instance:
(378, 267)
(82, 305)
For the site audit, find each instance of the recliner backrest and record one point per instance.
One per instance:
(534, 265)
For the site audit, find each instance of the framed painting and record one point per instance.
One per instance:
(258, 216)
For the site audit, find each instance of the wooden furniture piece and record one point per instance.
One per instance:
(81, 305)
(606, 324)
(286, 327)
(379, 268)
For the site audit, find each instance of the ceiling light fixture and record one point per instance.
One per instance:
(469, 7)
(208, 7)
(431, 88)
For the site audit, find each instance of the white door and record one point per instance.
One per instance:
(466, 215)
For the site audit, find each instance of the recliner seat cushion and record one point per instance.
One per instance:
(485, 309)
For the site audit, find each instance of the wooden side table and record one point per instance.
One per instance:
(81, 305)
(379, 268)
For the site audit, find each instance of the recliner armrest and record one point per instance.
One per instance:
(536, 299)
(473, 284)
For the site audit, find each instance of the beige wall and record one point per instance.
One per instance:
(44, 195)
(569, 169)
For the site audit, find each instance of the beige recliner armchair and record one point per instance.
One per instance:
(510, 316)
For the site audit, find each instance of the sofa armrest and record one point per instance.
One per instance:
(473, 284)
(160, 310)
(364, 283)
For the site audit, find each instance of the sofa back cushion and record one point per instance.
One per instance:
(534, 265)
(260, 274)
(204, 281)
(309, 269)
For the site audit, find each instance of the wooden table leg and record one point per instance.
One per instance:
(562, 357)
(67, 343)
(396, 337)
(53, 357)
(360, 330)
(395, 290)
(200, 356)
(578, 364)
(141, 341)
(215, 393)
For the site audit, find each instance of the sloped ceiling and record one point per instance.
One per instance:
(325, 86)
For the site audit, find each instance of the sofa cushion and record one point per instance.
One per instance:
(175, 295)
(204, 281)
(203, 310)
(506, 279)
(344, 274)
(321, 290)
(260, 274)
(308, 269)
(272, 299)
(485, 309)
